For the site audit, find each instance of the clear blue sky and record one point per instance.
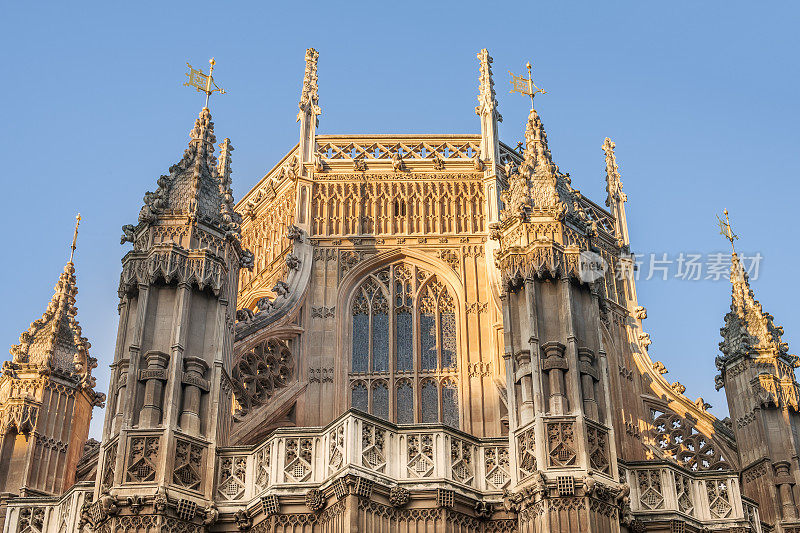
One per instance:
(700, 97)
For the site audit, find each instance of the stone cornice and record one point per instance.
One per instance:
(173, 264)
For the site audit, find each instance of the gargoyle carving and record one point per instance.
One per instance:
(127, 233)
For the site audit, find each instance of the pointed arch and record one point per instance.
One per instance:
(401, 334)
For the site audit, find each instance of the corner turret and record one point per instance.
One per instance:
(757, 373)
(170, 396)
(46, 397)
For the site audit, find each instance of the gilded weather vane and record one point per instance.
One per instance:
(725, 229)
(75, 237)
(524, 85)
(204, 83)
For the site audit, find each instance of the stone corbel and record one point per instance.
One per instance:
(586, 361)
(195, 369)
(122, 374)
(523, 358)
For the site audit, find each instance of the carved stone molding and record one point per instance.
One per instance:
(173, 265)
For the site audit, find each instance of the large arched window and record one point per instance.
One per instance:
(404, 357)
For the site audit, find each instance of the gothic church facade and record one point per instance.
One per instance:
(390, 333)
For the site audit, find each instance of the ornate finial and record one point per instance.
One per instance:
(537, 154)
(230, 218)
(308, 95)
(726, 231)
(524, 85)
(224, 165)
(613, 178)
(203, 82)
(75, 237)
(487, 101)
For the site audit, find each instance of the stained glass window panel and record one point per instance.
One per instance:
(427, 329)
(421, 312)
(398, 293)
(405, 343)
(380, 401)
(430, 402)
(380, 343)
(360, 342)
(405, 403)
(450, 405)
(359, 397)
(448, 327)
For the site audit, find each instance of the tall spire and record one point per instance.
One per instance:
(538, 187)
(309, 97)
(616, 196)
(489, 157)
(748, 330)
(487, 98)
(308, 116)
(192, 188)
(537, 154)
(613, 178)
(54, 341)
(549, 196)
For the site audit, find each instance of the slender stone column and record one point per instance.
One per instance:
(526, 385)
(555, 365)
(588, 377)
(783, 479)
(154, 375)
(194, 382)
(122, 386)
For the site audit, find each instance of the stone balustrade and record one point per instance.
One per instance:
(416, 457)
(696, 497)
(43, 515)
(366, 446)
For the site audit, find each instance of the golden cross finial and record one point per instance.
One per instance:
(203, 82)
(726, 231)
(524, 85)
(75, 237)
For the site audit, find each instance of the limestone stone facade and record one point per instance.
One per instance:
(391, 333)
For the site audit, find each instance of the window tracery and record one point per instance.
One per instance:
(260, 372)
(404, 356)
(390, 205)
(682, 443)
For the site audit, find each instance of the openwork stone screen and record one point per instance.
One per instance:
(404, 356)
(683, 444)
(260, 372)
